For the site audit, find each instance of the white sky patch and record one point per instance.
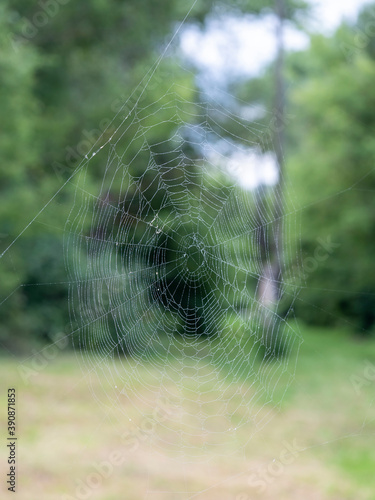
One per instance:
(252, 168)
(233, 47)
(328, 14)
(249, 167)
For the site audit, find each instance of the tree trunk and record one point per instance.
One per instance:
(270, 235)
(279, 140)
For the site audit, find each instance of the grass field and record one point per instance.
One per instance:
(318, 446)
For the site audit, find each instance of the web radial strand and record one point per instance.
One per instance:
(165, 254)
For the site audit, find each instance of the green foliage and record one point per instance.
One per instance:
(66, 70)
(331, 167)
(330, 150)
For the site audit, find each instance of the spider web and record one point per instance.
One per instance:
(164, 251)
(165, 260)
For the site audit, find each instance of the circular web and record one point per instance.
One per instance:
(166, 261)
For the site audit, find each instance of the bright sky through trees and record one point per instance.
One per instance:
(240, 47)
(232, 47)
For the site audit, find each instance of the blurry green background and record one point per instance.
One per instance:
(60, 85)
